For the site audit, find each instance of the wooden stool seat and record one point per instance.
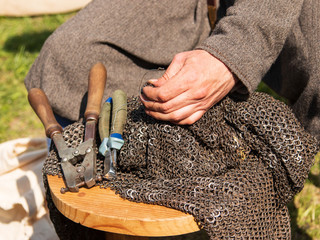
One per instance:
(102, 209)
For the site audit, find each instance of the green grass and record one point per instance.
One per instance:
(306, 214)
(20, 42)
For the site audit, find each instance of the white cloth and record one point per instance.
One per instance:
(23, 212)
(38, 7)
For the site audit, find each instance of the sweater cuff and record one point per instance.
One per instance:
(251, 36)
(246, 84)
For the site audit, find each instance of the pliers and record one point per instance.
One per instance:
(78, 164)
(111, 129)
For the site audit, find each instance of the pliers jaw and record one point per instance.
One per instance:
(108, 148)
(104, 147)
(108, 166)
(76, 173)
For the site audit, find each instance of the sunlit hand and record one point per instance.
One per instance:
(193, 83)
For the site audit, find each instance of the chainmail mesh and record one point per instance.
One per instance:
(234, 170)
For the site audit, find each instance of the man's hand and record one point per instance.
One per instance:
(193, 83)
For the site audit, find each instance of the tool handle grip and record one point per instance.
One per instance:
(104, 119)
(97, 82)
(40, 104)
(119, 111)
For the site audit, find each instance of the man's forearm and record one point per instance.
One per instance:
(250, 37)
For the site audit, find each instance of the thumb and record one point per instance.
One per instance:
(174, 67)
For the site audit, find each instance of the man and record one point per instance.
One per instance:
(275, 41)
(271, 40)
(253, 40)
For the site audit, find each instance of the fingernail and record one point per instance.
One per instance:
(152, 80)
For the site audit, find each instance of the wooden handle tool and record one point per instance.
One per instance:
(40, 104)
(97, 82)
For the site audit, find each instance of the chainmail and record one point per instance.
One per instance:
(234, 170)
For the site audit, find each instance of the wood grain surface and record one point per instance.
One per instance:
(102, 209)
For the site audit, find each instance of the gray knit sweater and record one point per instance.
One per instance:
(274, 40)
(277, 41)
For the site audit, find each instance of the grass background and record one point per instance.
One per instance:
(20, 42)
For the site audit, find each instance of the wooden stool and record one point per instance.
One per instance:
(121, 219)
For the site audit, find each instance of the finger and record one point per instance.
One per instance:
(144, 99)
(174, 67)
(191, 119)
(173, 87)
(178, 115)
(174, 104)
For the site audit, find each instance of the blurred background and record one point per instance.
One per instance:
(23, 31)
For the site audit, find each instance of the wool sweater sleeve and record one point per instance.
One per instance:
(249, 38)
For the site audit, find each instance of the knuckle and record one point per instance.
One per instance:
(162, 96)
(165, 108)
(193, 60)
(201, 93)
(175, 117)
(165, 76)
(178, 57)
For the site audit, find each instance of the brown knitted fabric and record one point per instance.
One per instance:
(234, 170)
(129, 37)
(277, 42)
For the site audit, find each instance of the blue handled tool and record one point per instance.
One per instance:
(111, 129)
